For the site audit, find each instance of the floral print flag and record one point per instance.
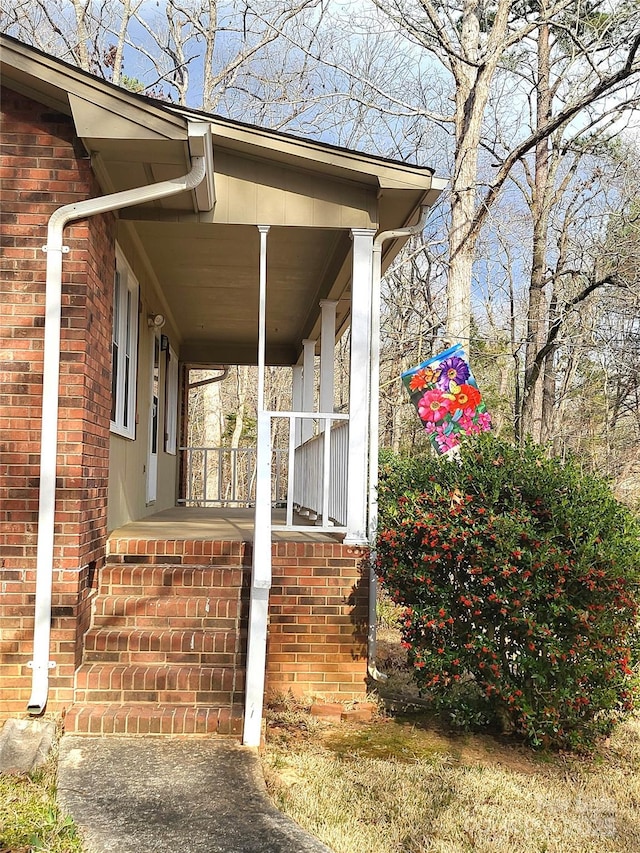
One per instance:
(447, 398)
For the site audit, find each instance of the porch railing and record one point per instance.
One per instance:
(316, 470)
(310, 479)
(226, 476)
(319, 489)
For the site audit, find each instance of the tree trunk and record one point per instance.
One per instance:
(537, 308)
(243, 383)
(549, 383)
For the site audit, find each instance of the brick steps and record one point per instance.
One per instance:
(122, 682)
(165, 652)
(168, 579)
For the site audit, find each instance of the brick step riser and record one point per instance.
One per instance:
(154, 677)
(164, 623)
(135, 720)
(186, 698)
(164, 642)
(176, 594)
(173, 576)
(148, 562)
(175, 606)
(185, 658)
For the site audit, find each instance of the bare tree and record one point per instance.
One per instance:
(479, 46)
(194, 52)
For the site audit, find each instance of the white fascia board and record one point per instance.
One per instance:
(201, 145)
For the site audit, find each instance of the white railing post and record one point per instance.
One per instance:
(308, 386)
(327, 354)
(359, 386)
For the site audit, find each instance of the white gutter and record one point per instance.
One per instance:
(50, 395)
(374, 421)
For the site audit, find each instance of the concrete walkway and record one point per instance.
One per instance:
(163, 795)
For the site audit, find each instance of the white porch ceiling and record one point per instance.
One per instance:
(209, 277)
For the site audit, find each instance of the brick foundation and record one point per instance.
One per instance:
(166, 651)
(317, 641)
(43, 169)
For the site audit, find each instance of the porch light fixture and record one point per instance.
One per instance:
(156, 321)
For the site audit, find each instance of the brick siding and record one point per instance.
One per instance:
(43, 167)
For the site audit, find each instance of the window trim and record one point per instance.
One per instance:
(126, 292)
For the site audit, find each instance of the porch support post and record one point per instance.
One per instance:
(262, 317)
(360, 368)
(327, 353)
(261, 569)
(296, 399)
(308, 386)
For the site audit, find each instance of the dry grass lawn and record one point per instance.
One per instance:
(30, 820)
(404, 785)
(399, 787)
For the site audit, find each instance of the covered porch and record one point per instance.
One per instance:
(198, 241)
(213, 524)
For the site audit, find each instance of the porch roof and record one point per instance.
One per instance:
(201, 248)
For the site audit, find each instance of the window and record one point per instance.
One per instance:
(124, 349)
(171, 403)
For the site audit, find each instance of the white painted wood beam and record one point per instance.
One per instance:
(261, 569)
(308, 385)
(359, 379)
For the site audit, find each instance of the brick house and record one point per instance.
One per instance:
(140, 239)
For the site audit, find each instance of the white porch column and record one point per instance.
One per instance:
(308, 385)
(296, 398)
(359, 385)
(327, 353)
(262, 315)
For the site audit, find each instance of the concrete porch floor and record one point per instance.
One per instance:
(221, 524)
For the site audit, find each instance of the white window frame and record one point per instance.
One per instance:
(171, 404)
(124, 349)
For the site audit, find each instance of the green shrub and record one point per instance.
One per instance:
(519, 579)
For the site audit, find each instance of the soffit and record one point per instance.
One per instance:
(209, 277)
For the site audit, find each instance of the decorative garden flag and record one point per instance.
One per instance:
(447, 398)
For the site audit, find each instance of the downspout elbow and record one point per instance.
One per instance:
(407, 231)
(39, 689)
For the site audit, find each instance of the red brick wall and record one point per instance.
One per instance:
(317, 642)
(317, 634)
(44, 167)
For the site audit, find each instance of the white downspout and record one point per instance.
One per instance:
(261, 563)
(50, 394)
(374, 421)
